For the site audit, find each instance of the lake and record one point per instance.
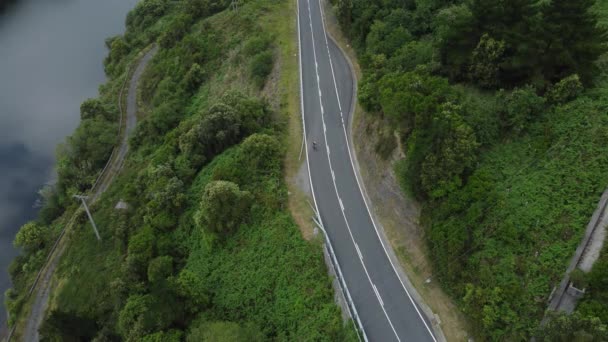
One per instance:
(51, 59)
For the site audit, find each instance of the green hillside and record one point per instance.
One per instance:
(500, 107)
(207, 249)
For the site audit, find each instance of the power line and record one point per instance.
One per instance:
(86, 208)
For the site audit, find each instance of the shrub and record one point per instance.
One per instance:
(520, 107)
(160, 268)
(223, 208)
(565, 90)
(261, 66)
(31, 236)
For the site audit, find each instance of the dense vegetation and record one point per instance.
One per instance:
(501, 108)
(206, 250)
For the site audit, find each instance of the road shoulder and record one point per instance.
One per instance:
(395, 214)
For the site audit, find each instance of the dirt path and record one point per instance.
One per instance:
(41, 300)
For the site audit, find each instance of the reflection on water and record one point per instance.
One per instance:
(51, 55)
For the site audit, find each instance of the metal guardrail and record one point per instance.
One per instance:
(341, 282)
(91, 191)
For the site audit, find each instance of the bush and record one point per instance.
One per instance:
(261, 67)
(257, 45)
(31, 236)
(565, 90)
(223, 208)
(160, 268)
(520, 107)
(224, 332)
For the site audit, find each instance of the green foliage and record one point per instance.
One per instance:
(223, 208)
(93, 108)
(176, 30)
(67, 326)
(574, 39)
(136, 318)
(565, 90)
(31, 236)
(257, 45)
(192, 288)
(575, 327)
(453, 151)
(507, 181)
(160, 268)
(578, 279)
(194, 78)
(385, 39)
(153, 275)
(261, 67)
(145, 13)
(521, 106)
(485, 61)
(224, 332)
(169, 336)
(595, 301)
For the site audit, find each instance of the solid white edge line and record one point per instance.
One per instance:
(360, 188)
(356, 315)
(314, 50)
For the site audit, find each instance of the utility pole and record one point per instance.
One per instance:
(235, 5)
(86, 208)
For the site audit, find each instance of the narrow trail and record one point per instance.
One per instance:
(43, 292)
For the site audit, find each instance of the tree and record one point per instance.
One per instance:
(385, 39)
(452, 152)
(573, 38)
(254, 114)
(565, 90)
(575, 327)
(261, 153)
(160, 268)
(67, 326)
(94, 108)
(223, 207)
(344, 11)
(194, 78)
(31, 236)
(456, 38)
(176, 30)
(191, 287)
(486, 61)
(261, 66)
(145, 13)
(224, 332)
(520, 107)
(219, 129)
(162, 336)
(411, 99)
(136, 318)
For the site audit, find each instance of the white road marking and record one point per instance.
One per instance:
(359, 251)
(331, 169)
(357, 178)
(309, 174)
(378, 295)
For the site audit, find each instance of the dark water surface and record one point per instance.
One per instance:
(51, 54)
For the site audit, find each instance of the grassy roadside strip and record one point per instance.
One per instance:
(289, 92)
(410, 249)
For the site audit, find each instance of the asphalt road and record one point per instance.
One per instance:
(386, 310)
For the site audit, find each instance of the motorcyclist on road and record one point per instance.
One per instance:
(314, 145)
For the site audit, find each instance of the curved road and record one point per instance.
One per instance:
(386, 310)
(43, 292)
